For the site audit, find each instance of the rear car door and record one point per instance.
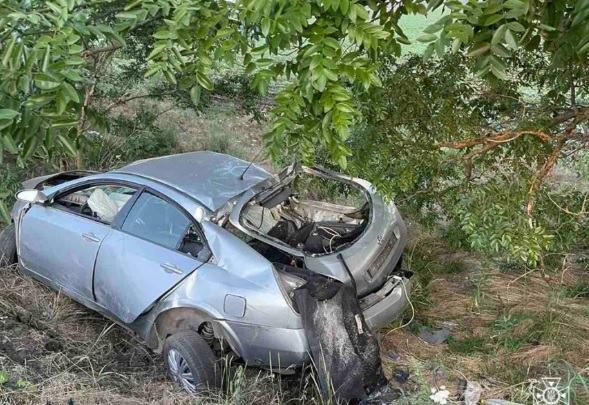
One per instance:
(59, 242)
(157, 246)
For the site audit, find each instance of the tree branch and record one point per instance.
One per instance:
(501, 137)
(546, 168)
(95, 51)
(121, 100)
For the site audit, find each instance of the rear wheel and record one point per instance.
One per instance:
(8, 246)
(191, 362)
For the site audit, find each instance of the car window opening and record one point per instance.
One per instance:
(312, 214)
(100, 202)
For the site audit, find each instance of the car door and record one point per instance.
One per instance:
(59, 242)
(157, 246)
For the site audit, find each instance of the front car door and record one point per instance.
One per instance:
(59, 242)
(157, 246)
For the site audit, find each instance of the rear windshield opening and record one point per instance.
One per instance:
(312, 214)
(61, 178)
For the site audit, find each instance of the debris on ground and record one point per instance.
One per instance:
(473, 393)
(440, 396)
(400, 376)
(433, 336)
(462, 384)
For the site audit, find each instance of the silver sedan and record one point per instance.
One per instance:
(195, 253)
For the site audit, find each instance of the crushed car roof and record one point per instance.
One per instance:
(211, 178)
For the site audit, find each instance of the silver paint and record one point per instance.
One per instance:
(125, 277)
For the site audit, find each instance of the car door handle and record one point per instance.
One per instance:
(171, 268)
(90, 237)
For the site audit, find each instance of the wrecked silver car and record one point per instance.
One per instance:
(193, 252)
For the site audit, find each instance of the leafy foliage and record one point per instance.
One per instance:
(459, 132)
(451, 147)
(54, 54)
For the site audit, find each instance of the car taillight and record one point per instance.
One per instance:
(288, 283)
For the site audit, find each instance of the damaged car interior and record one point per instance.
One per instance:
(297, 215)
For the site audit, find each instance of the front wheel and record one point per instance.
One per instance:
(191, 362)
(8, 246)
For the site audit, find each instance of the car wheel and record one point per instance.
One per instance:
(7, 246)
(191, 362)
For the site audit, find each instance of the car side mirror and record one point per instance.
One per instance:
(32, 196)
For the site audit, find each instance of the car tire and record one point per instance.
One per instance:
(8, 246)
(191, 362)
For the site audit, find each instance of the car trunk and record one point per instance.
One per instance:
(342, 229)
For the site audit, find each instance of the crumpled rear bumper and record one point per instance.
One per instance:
(278, 348)
(281, 348)
(388, 303)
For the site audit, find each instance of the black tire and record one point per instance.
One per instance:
(198, 356)
(8, 246)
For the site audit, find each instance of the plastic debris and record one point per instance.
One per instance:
(440, 396)
(473, 393)
(500, 402)
(400, 376)
(433, 336)
(394, 356)
(462, 388)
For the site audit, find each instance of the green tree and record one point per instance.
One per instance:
(335, 53)
(53, 53)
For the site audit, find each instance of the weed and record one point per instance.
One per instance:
(455, 267)
(471, 345)
(478, 281)
(579, 290)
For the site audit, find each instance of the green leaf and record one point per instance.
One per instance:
(71, 93)
(517, 27)
(164, 34)
(479, 50)
(195, 93)
(499, 35)
(204, 81)
(511, 41)
(67, 143)
(456, 45)
(426, 37)
(432, 29)
(265, 25)
(46, 82)
(30, 147)
(9, 144)
(429, 51)
(493, 19)
(7, 114)
(5, 217)
(126, 16)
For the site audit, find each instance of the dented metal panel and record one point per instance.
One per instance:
(131, 286)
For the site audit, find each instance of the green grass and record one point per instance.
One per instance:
(579, 290)
(470, 345)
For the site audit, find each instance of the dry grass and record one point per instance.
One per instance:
(519, 328)
(507, 329)
(53, 350)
